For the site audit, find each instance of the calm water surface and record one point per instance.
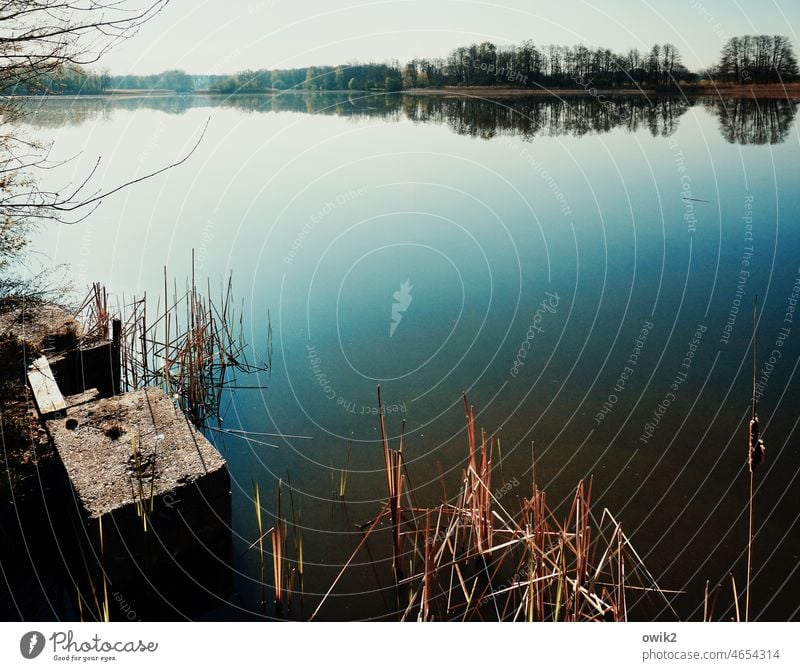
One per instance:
(584, 270)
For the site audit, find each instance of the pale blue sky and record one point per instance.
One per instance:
(208, 36)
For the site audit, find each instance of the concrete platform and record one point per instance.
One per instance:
(134, 458)
(96, 443)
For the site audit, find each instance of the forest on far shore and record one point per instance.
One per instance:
(749, 59)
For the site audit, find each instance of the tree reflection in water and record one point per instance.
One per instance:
(741, 120)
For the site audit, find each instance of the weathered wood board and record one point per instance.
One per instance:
(46, 393)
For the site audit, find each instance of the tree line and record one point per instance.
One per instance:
(756, 59)
(76, 80)
(63, 78)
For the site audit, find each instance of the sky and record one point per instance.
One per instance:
(213, 37)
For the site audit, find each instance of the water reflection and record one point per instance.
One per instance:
(742, 121)
(753, 121)
(528, 117)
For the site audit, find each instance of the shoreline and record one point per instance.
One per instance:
(789, 91)
(773, 91)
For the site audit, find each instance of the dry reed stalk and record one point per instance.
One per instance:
(260, 540)
(542, 568)
(278, 551)
(427, 577)
(343, 473)
(94, 315)
(192, 349)
(735, 599)
(713, 604)
(623, 612)
(393, 463)
(297, 534)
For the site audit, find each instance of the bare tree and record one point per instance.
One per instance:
(758, 59)
(38, 38)
(654, 65)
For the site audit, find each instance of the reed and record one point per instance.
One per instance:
(474, 559)
(283, 576)
(710, 602)
(297, 533)
(259, 521)
(343, 473)
(279, 552)
(735, 599)
(94, 315)
(261, 534)
(393, 465)
(193, 347)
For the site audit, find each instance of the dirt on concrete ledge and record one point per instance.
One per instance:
(130, 448)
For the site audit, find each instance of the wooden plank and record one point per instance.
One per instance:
(45, 389)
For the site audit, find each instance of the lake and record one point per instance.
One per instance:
(584, 269)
